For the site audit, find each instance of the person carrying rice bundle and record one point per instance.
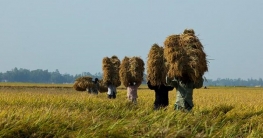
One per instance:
(156, 73)
(187, 65)
(110, 67)
(131, 74)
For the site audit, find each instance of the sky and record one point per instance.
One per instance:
(74, 36)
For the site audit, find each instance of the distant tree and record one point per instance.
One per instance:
(1, 76)
(56, 77)
(260, 82)
(41, 76)
(17, 75)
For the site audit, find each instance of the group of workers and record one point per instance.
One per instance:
(184, 92)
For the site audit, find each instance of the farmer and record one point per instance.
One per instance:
(111, 91)
(132, 91)
(96, 87)
(161, 95)
(184, 91)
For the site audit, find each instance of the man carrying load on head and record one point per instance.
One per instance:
(187, 64)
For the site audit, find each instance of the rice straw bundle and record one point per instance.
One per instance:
(187, 57)
(110, 67)
(124, 73)
(82, 83)
(156, 67)
(106, 67)
(116, 67)
(195, 56)
(173, 53)
(136, 69)
(131, 70)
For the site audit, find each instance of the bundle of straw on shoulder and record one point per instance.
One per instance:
(136, 69)
(131, 70)
(156, 68)
(185, 55)
(110, 67)
(116, 67)
(125, 74)
(82, 83)
(194, 55)
(173, 54)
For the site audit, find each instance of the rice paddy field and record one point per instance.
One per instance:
(52, 110)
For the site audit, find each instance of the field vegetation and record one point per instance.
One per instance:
(50, 110)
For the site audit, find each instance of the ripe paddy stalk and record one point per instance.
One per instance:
(43, 112)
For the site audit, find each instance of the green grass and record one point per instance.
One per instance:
(45, 111)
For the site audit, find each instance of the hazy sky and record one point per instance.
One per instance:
(74, 36)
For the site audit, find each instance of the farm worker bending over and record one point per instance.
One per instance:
(184, 91)
(132, 91)
(161, 95)
(111, 91)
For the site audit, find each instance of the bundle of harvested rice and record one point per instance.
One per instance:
(107, 69)
(124, 73)
(136, 69)
(116, 67)
(82, 83)
(173, 53)
(110, 67)
(156, 67)
(131, 70)
(195, 56)
(185, 55)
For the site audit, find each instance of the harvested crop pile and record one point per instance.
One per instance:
(156, 69)
(82, 83)
(110, 67)
(125, 74)
(131, 70)
(185, 55)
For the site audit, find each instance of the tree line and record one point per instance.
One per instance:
(44, 76)
(41, 76)
(234, 82)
